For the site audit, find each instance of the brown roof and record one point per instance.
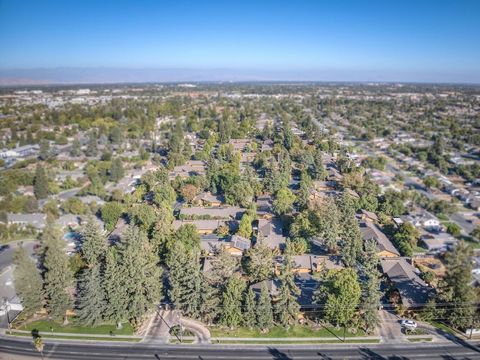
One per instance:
(371, 231)
(220, 212)
(413, 290)
(205, 224)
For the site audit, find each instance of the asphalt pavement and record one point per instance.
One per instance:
(15, 348)
(6, 255)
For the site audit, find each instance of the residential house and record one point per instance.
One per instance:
(219, 212)
(438, 242)
(368, 216)
(74, 175)
(208, 199)
(240, 243)
(271, 233)
(474, 202)
(68, 221)
(89, 199)
(264, 206)
(414, 292)
(207, 226)
(385, 248)
(247, 157)
(36, 220)
(423, 219)
(191, 168)
(267, 145)
(273, 287)
(240, 145)
(310, 264)
(26, 190)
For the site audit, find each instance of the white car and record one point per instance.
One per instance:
(409, 324)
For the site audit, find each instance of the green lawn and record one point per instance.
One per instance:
(110, 338)
(443, 217)
(471, 243)
(420, 339)
(348, 341)
(443, 327)
(73, 327)
(279, 332)
(418, 249)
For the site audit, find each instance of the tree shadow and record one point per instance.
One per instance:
(278, 355)
(453, 338)
(324, 356)
(35, 334)
(369, 354)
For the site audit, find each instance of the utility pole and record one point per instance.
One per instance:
(6, 306)
(471, 329)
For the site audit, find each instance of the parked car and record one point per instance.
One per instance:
(409, 324)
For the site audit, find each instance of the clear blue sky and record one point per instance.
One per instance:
(389, 36)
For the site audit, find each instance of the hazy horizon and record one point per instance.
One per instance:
(106, 75)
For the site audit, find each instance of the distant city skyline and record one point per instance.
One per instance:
(137, 41)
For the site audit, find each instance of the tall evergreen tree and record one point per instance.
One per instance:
(371, 294)
(91, 298)
(44, 152)
(163, 230)
(223, 267)
(258, 261)
(58, 275)
(232, 301)
(92, 149)
(303, 192)
(245, 226)
(351, 239)
(225, 127)
(317, 171)
(328, 225)
(76, 149)
(264, 309)
(29, 139)
(113, 285)
(40, 183)
(249, 314)
(116, 170)
(456, 289)
(210, 302)
(142, 283)
(287, 307)
(28, 281)
(94, 243)
(185, 279)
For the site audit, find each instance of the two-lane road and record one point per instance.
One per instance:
(6, 255)
(16, 348)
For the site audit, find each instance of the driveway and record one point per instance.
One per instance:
(390, 329)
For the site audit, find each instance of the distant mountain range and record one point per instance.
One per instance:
(104, 75)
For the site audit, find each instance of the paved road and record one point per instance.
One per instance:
(67, 194)
(466, 226)
(99, 350)
(6, 256)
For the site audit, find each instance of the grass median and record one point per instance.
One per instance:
(299, 342)
(66, 337)
(45, 326)
(279, 332)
